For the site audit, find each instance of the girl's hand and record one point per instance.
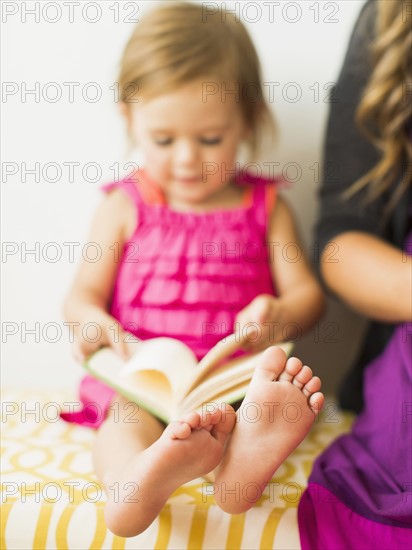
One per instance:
(103, 330)
(258, 324)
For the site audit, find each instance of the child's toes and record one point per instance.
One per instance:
(313, 385)
(292, 368)
(226, 424)
(271, 365)
(303, 377)
(210, 417)
(178, 430)
(192, 418)
(316, 402)
(228, 419)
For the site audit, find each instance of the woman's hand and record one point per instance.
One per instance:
(103, 330)
(259, 323)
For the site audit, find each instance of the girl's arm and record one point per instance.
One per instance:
(372, 276)
(300, 300)
(89, 296)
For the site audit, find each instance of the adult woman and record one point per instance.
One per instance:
(350, 222)
(359, 490)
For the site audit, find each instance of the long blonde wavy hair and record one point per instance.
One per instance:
(385, 110)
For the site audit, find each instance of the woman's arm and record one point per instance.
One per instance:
(89, 296)
(372, 276)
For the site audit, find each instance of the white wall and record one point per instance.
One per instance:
(308, 52)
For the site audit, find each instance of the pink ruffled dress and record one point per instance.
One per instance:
(185, 275)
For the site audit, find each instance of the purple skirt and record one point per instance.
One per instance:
(360, 491)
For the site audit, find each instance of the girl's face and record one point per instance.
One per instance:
(189, 141)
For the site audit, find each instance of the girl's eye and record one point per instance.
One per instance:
(211, 141)
(163, 141)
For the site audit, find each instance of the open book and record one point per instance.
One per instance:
(164, 376)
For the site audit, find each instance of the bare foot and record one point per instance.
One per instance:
(188, 448)
(279, 408)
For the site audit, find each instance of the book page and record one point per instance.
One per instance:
(222, 350)
(217, 371)
(168, 356)
(149, 388)
(228, 395)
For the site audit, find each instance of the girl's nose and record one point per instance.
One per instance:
(185, 152)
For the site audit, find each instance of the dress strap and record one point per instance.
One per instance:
(129, 185)
(270, 198)
(139, 189)
(264, 199)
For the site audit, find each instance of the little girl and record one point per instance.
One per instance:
(206, 250)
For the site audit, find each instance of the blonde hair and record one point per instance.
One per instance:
(385, 108)
(180, 42)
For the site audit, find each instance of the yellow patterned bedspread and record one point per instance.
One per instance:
(51, 498)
